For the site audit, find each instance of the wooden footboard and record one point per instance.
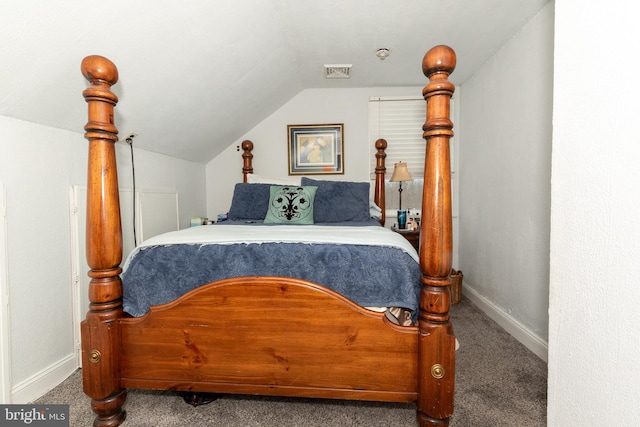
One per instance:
(268, 335)
(271, 336)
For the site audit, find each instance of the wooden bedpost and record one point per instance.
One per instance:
(381, 170)
(247, 157)
(100, 329)
(436, 373)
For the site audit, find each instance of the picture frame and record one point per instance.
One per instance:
(316, 149)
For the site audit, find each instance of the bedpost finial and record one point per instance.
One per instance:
(439, 59)
(381, 144)
(99, 68)
(247, 145)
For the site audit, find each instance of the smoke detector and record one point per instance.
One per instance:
(337, 71)
(382, 53)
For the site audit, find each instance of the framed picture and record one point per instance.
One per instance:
(315, 149)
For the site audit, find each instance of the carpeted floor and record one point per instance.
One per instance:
(498, 383)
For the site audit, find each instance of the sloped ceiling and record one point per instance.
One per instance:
(196, 75)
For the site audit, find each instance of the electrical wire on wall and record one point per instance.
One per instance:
(129, 141)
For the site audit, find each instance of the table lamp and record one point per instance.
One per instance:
(401, 174)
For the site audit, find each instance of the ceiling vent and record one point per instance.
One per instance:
(337, 71)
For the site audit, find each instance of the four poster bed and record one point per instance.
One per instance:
(274, 331)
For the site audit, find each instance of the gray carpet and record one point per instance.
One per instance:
(498, 383)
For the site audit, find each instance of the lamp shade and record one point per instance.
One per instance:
(400, 173)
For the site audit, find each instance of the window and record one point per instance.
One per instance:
(399, 120)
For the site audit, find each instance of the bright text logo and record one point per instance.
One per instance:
(34, 415)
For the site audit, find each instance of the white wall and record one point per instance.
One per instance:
(5, 361)
(594, 349)
(38, 166)
(157, 172)
(311, 106)
(505, 179)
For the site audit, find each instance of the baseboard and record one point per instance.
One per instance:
(530, 340)
(35, 387)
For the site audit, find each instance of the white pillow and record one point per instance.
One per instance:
(252, 178)
(374, 210)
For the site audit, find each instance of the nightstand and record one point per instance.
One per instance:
(413, 236)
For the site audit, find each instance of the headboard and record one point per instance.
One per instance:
(378, 196)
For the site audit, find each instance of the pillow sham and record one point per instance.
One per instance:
(340, 201)
(249, 202)
(290, 204)
(252, 178)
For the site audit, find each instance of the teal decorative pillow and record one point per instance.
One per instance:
(290, 204)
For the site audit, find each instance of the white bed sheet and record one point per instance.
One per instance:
(254, 233)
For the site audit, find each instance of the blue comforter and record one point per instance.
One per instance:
(381, 276)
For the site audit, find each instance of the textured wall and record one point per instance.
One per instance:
(595, 205)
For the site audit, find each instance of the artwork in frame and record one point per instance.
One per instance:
(315, 149)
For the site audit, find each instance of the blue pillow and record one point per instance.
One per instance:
(290, 204)
(339, 201)
(249, 202)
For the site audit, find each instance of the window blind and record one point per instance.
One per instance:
(399, 120)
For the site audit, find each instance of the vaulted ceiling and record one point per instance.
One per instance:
(196, 75)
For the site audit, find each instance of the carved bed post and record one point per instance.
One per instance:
(379, 198)
(100, 329)
(247, 157)
(436, 374)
